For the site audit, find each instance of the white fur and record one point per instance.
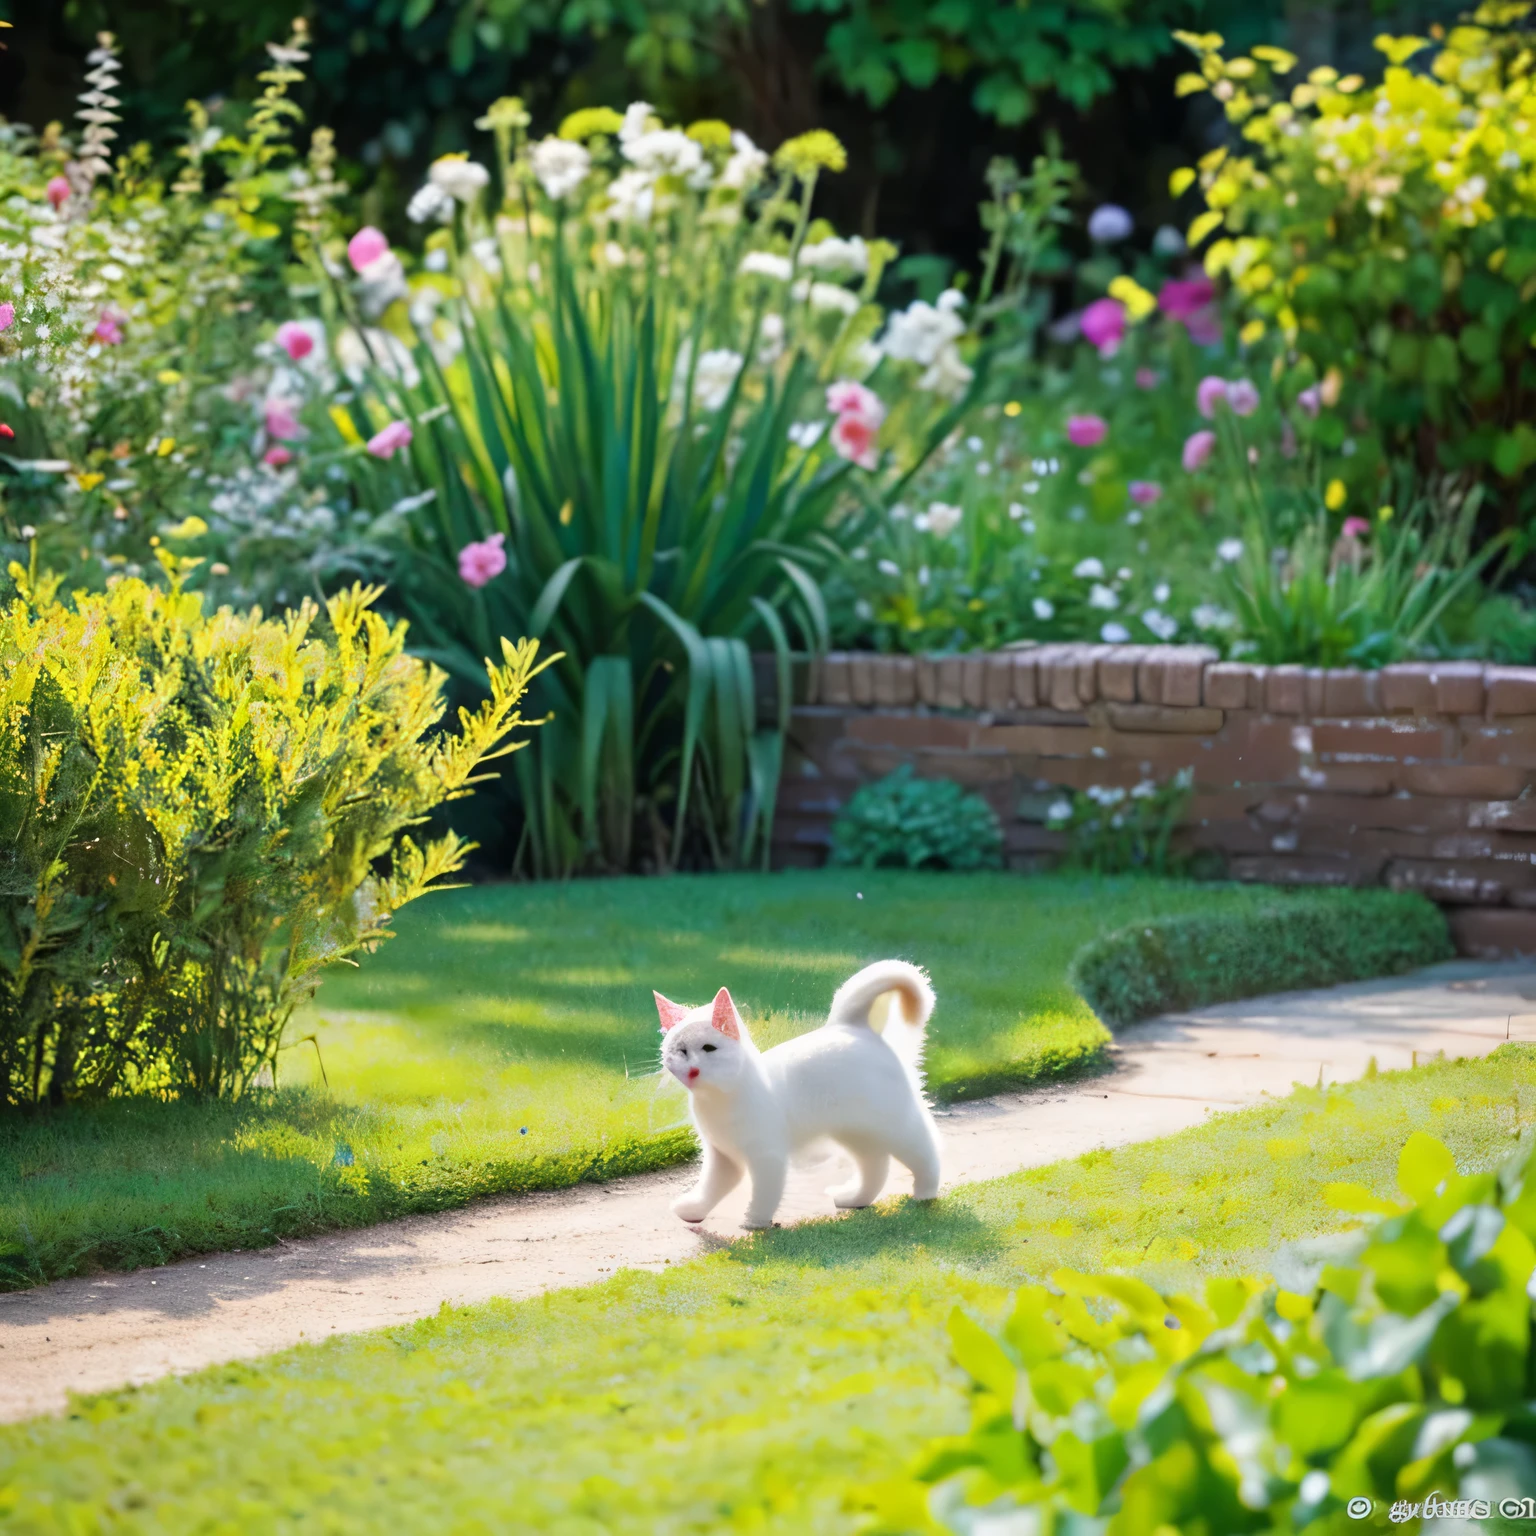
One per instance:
(844, 1082)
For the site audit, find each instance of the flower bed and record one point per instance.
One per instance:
(1417, 776)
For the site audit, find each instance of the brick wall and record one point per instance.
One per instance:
(1420, 776)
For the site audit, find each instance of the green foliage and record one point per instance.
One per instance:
(1115, 831)
(636, 429)
(1295, 940)
(1396, 1372)
(771, 1387)
(1390, 247)
(194, 811)
(905, 822)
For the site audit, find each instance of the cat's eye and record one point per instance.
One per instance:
(709, 1047)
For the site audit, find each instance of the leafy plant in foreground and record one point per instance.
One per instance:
(917, 823)
(1393, 1374)
(195, 817)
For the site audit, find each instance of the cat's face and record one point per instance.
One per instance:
(702, 1047)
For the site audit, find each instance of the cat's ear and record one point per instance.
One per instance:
(725, 1018)
(672, 1014)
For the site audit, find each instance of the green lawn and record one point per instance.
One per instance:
(507, 1040)
(763, 1389)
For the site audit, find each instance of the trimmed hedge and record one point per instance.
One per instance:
(1305, 939)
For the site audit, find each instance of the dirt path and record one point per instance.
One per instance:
(111, 1330)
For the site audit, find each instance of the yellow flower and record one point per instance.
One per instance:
(88, 481)
(1013, 408)
(1384, 514)
(1328, 390)
(168, 376)
(1138, 302)
(589, 122)
(167, 447)
(811, 152)
(711, 133)
(1335, 496)
(1203, 226)
(507, 112)
(189, 528)
(1252, 332)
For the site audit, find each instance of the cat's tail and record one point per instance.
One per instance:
(905, 1023)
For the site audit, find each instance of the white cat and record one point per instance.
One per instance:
(844, 1081)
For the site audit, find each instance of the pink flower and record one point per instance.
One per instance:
(1086, 431)
(388, 440)
(1183, 300)
(109, 328)
(1147, 378)
(482, 560)
(853, 438)
(276, 456)
(7, 431)
(1145, 492)
(1197, 450)
(365, 247)
(57, 192)
(1310, 400)
(7, 316)
(1210, 393)
(1355, 527)
(294, 340)
(281, 423)
(1103, 324)
(1242, 397)
(846, 396)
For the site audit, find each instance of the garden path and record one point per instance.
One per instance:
(89, 1335)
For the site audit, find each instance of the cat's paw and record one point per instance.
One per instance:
(849, 1197)
(689, 1208)
(751, 1223)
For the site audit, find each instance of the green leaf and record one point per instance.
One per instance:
(1422, 1166)
(978, 1353)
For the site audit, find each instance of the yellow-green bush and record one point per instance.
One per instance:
(198, 813)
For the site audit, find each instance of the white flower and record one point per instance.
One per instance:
(436, 260)
(921, 331)
(826, 296)
(940, 519)
(1168, 241)
(631, 196)
(560, 166)
(1017, 510)
(766, 264)
(1209, 616)
(1510, 160)
(383, 281)
(713, 377)
(770, 339)
(1162, 592)
(487, 251)
(949, 376)
(746, 165)
(1109, 223)
(638, 116)
(1160, 624)
(888, 568)
(1044, 608)
(460, 178)
(951, 301)
(1114, 634)
(850, 257)
(922, 575)
(806, 434)
(1103, 597)
(664, 152)
(375, 349)
(1059, 810)
(1091, 569)
(429, 203)
(1230, 550)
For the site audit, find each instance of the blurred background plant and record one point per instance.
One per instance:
(1112, 830)
(905, 822)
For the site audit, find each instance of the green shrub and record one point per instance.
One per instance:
(1396, 1371)
(1305, 939)
(195, 817)
(1115, 831)
(913, 823)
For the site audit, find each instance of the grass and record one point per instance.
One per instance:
(506, 1041)
(766, 1388)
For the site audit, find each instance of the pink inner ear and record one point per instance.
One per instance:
(725, 1018)
(672, 1014)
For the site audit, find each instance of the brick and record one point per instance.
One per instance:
(1511, 690)
(1149, 675)
(966, 768)
(997, 683)
(1184, 674)
(1161, 718)
(1258, 687)
(1509, 742)
(1313, 685)
(951, 693)
(1042, 740)
(1458, 687)
(1058, 678)
(811, 797)
(973, 680)
(861, 678)
(1117, 673)
(895, 682)
(1407, 688)
(911, 732)
(1285, 690)
(1475, 781)
(1385, 740)
(835, 680)
(1025, 680)
(1505, 815)
(1314, 869)
(1492, 933)
(928, 681)
(1348, 691)
(1226, 685)
(1463, 882)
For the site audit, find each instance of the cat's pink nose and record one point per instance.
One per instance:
(693, 1072)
